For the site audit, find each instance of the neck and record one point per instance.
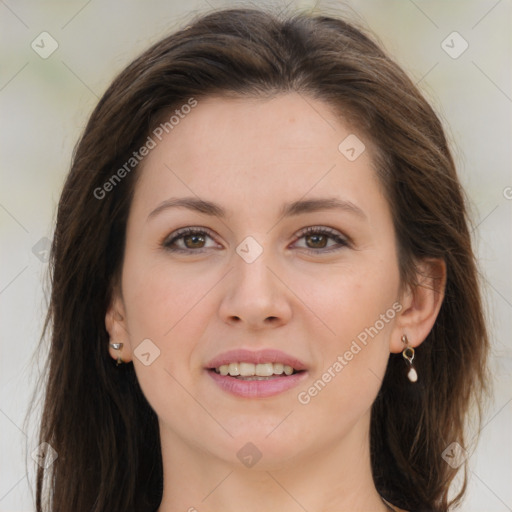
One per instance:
(337, 477)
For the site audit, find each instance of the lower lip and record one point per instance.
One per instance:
(257, 388)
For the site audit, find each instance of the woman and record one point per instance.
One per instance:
(264, 295)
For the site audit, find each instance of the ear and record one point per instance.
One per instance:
(421, 303)
(115, 323)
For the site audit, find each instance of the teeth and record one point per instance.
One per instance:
(247, 369)
(250, 369)
(234, 369)
(278, 368)
(264, 370)
(288, 370)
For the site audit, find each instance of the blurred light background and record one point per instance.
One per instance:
(45, 102)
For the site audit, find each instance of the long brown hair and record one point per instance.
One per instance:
(95, 416)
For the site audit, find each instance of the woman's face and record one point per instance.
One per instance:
(270, 269)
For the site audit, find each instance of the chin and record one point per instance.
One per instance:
(257, 449)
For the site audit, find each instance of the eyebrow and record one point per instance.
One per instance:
(287, 210)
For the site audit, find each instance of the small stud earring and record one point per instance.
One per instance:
(117, 346)
(408, 354)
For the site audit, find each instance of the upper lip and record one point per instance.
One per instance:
(255, 357)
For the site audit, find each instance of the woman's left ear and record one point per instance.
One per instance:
(421, 303)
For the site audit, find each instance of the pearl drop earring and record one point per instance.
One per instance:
(408, 353)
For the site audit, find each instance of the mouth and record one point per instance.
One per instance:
(261, 374)
(251, 371)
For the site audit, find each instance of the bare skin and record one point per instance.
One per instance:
(250, 157)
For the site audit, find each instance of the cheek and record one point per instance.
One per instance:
(353, 299)
(171, 308)
(167, 308)
(158, 300)
(358, 310)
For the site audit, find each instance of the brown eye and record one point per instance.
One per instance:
(317, 241)
(188, 240)
(193, 241)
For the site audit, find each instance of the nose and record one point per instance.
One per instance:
(255, 296)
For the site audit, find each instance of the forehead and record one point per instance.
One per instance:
(258, 151)
(287, 125)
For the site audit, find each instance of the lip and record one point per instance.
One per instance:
(255, 357)
(256, 388)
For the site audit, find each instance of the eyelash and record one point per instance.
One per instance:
(316, 230)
